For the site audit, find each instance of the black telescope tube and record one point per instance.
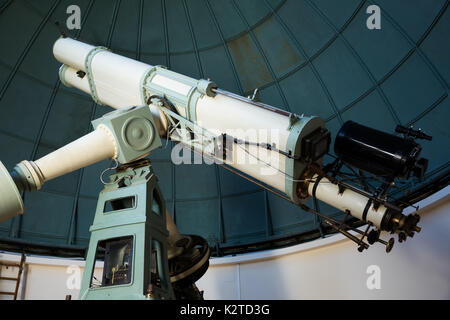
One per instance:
(378, 152)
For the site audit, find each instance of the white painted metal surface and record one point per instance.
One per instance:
(247, 122)
(11, 203)
(118, 82)
(117, 79)
(348, 200)
(89, 149)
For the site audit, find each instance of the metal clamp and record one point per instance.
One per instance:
(89, 74)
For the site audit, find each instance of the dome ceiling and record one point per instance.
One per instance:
(315, 57)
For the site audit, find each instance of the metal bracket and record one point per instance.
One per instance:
(292, 120)
(190, 134)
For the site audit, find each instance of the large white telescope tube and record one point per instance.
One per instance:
(89, 149)
(110, 78)
(124, 135)
(291, 144)
(120, 82)
(31, 175)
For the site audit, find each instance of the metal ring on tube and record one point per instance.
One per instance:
(89, 75)
(366, 210)
(144, 93)
(316, 184)
(62, 77)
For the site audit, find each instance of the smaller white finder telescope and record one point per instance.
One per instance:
(152, 102)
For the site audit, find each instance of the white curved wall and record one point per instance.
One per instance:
(332, 268)
(329, 268)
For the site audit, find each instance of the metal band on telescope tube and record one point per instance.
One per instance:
(89, 74)
(366, 209)
(62, 71)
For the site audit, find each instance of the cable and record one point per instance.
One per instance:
(107, 169)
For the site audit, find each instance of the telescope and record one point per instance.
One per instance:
(278, 150)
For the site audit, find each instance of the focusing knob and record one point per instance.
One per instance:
(401, 237)
(373, 236)
(389, 245)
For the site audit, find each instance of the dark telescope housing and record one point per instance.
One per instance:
(379, 153)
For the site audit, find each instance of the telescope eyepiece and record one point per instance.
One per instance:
(410, 132)
(404, 225)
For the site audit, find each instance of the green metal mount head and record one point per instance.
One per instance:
(134, 131)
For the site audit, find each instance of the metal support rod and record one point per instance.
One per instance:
(361, 192)
(365, 233)
(246, 100)
(334, 224)
(329, 221)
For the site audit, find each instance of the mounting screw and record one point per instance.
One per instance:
(389, 245)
